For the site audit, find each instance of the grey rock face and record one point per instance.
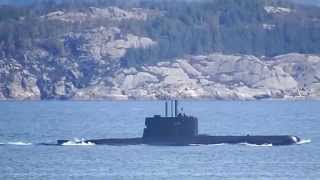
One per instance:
(103, 43)
(215, 76)
(305, 69)
(93, 13)
(18, 84)
(41, 75)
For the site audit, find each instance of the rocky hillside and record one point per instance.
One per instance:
(214, 76)
(148, 50)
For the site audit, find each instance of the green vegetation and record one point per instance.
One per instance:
(184, 27)
(228, 26)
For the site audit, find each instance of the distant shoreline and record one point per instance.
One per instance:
(148, 100)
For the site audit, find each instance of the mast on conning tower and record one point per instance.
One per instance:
(166, 108)
(174, 108)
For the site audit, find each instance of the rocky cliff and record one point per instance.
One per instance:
(213, 76)
(84, 60)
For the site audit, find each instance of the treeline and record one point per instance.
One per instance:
(227, 26)
(184, 27)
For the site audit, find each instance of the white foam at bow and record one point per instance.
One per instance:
(77, 142)
(295, 139)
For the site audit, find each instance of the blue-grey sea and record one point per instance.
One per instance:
(25, 124)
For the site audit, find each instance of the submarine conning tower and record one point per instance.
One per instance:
(175, 125)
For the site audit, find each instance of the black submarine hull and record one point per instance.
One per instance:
(180, 129)
(199, 140)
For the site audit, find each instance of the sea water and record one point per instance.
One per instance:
(24, 125)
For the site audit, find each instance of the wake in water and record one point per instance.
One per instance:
(304, 141)
(257, 145)
(221, 144)
(18, 143)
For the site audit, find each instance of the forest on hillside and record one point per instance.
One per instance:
(183, 28)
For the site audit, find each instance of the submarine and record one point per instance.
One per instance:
(179, 129)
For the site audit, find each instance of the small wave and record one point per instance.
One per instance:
(194, 144)
(19, 143)
(221, 144)
(257, 145)
(304, 141)
(208, 144)
(77, 142)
